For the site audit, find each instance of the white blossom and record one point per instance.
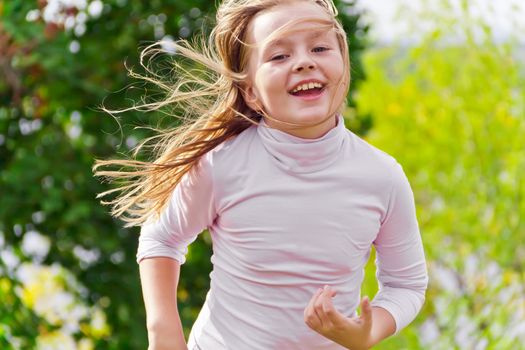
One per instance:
(95, 8)
(35, 245)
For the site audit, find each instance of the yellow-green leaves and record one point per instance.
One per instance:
(453, 114)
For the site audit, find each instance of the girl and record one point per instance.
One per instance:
(293, 200)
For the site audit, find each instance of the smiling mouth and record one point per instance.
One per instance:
(311, 89)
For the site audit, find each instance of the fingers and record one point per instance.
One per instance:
(328, 311)
(320, 313)
(310, 315)
(324, 307)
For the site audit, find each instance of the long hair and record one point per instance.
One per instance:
(212, 105)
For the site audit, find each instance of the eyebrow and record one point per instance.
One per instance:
(283, 41)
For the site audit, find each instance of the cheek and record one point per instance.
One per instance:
(341, 79)
(338, 66)
(268, 82)
(339, 72)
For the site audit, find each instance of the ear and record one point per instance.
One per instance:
(250, 96)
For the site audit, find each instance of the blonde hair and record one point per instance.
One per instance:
(213, 108)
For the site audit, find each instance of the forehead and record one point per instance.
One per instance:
(266, 23)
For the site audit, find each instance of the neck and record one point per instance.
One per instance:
(307, 131)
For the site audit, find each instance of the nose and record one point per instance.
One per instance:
(304, 62)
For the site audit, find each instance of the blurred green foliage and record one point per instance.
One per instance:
(57, 65)
(452, 112)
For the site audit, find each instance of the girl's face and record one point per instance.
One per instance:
(295, 77)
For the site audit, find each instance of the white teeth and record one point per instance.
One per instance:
(307, 86)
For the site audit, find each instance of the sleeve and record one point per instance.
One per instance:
(400, 260)
(189, 211)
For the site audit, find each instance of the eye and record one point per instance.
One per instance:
(278, 57)
(320, 49)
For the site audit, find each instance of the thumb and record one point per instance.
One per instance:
(366, 311)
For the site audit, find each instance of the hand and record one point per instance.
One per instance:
(353, 333)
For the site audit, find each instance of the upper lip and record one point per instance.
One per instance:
(307, 81)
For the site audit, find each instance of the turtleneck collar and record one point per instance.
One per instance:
(300, 155)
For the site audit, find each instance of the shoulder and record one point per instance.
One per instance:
(372, 159)
(232, 153)
(234, 145)
(377, 173)
(385, 176)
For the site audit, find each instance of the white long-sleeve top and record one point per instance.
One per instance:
(286, 216)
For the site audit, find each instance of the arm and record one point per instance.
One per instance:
(401, 273)
(159, 279)
(400, 259)
(163, 244)
(383, 326)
